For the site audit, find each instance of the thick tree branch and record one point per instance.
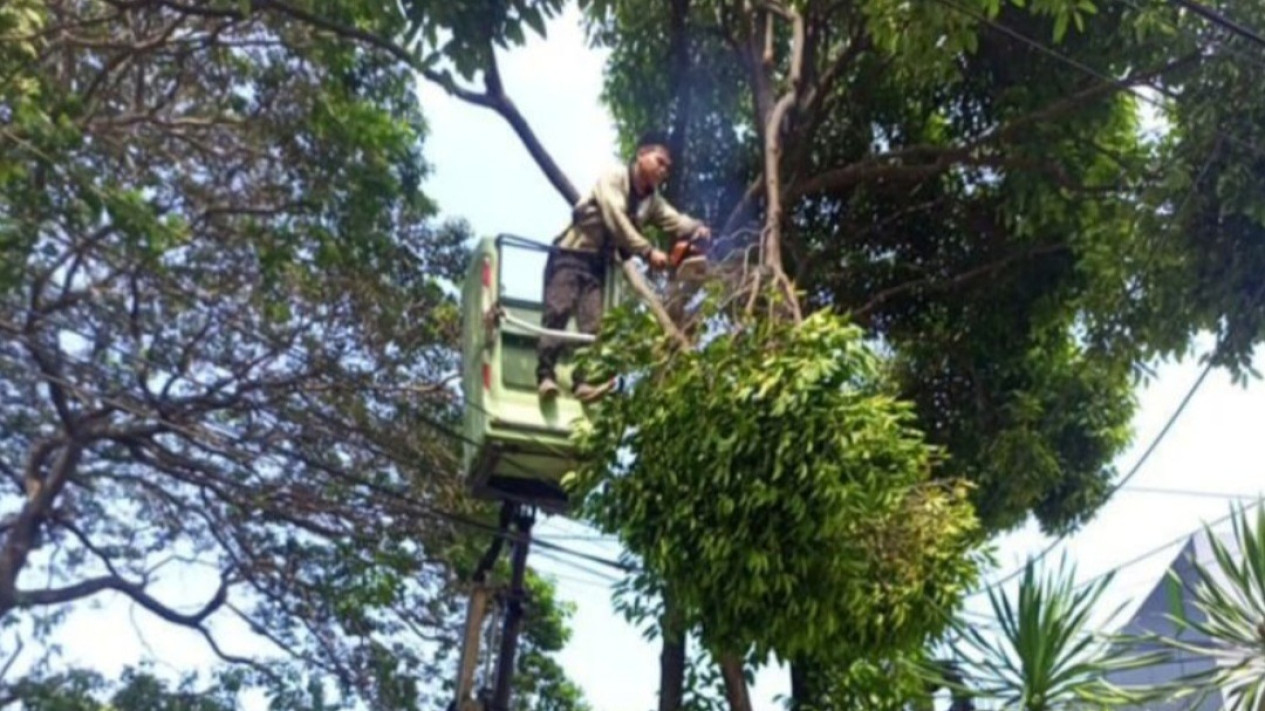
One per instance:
(647, 296)
(92, 586)
(682, 93)
(508, 111)
(773, 139)
(493, 98)
(940, 158)
(815, 100)
(42, 491)
(934, 284)
(50, 368)
(773, 136)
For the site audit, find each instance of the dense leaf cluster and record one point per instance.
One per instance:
(778, 489)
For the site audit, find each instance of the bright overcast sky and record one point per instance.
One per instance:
(482, 173)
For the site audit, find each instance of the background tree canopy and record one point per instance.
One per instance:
(227, 348)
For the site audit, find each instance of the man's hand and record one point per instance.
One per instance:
(658, 260)
(703, 232)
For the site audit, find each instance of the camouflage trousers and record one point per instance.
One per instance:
(574, 286)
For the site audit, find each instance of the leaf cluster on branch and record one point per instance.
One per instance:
(778, 491)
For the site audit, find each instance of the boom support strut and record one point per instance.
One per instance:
(513, 516)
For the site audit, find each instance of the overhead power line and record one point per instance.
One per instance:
(1220, 20)
(1189, 493)
(1162, 547)
(1122, 83)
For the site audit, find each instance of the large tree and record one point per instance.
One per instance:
(228, 347)
(971, 183)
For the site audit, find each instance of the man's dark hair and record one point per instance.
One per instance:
(652, 139)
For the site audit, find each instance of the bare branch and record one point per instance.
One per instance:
(86, 542)
(648, 297)
(234, 659)
(20, 539)
(92, 586)
(508, 111)
(493, 98)
(773, 138)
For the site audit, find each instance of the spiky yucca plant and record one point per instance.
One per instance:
(1229, 628)
(1045, 657)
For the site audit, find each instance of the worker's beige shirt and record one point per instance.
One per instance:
(605, 212)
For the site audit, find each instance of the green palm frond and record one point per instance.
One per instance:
(1230, 627)
(1045, 656)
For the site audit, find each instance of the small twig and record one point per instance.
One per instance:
(4, 671)
(755, 292)
(234, 659)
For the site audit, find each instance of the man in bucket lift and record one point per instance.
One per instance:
(610, 217)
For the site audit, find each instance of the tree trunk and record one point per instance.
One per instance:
(800, 687)
(671, 659)
(735, 682)
(682, 93)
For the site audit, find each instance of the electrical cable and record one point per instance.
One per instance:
(1122, 83)
(1254, 58)
(1220, 20)
(1188, 493)
(1162, 547)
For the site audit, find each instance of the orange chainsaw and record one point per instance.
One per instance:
(692, 247)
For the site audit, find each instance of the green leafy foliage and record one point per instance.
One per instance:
(541, 684)
(465, 33)
(777, 488)
(890, 682)
(135, 690)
